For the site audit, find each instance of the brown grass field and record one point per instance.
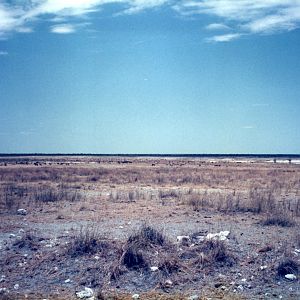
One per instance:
(112, 224)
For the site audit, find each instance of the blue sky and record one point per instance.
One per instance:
(149, 76)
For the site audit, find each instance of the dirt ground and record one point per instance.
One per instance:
(115, 225)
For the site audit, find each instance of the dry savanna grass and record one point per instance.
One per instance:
(114, 224)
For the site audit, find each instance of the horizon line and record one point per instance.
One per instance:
(267, 155)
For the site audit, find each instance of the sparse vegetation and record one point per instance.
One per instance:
(87, 240)
(279, 219)
(87, 225)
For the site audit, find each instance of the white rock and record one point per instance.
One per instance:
(168, 283)
(290, 276)
(244, 280)
(135, 296)
(153, 269)
(68, 280)
(121, 227)
(21, 230)
(263, 267)
(297, 250)
(193, 297)
(222, 235)
(240, 287)
(97, 257)
(12, 235)
(86, 294)
(22, 211)
(183, 239)
(16, 286)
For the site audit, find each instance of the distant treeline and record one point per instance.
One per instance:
(207, 155)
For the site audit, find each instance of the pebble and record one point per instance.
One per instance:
(193, 297)
(85, 294)
(68, 280)
(290, 276)
(97, 257)
(16, 286)
(135, 296)
(168, 283)
(22, 212)
(263, 267)
(153, 269)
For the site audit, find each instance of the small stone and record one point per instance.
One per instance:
(16, 286)
(244, 280)
(97, 257)
(153, 269)
(121, 227)
(12, 235)
(168, 283)
(67, 280)
(183, 240)
(290, 276)
(240, 287)
(263, 267)
(135, 296)
(193, 297)
(86, 294)
(22, 212)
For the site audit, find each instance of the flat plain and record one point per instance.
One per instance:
(157, 227)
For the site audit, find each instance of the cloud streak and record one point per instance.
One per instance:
(236, 17)
(247, 17)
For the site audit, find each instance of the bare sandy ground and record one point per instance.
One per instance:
(112, 198)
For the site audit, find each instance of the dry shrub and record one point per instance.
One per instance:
(54, 195)
(138, 249)
(287, 266)
(88, 240)
(10, 196)
(147, 236)
(279, 219)
(170, 264)
(133, 257)
(214, 252)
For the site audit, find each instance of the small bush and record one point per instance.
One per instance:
(282, 220)
(133, 258)
(170, 265)
(87, 241)
(52, 195)
(215, 251)
(147, 236)
(287, 266)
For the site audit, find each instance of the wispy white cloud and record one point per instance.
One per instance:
(224, 37)
(244, 16)
(3, 53)
(62, 28)
(14, 15)
(248, 127)
(217, 26)
(247, 16)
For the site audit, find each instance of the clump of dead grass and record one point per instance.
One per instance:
(279, 219)
(87, 240)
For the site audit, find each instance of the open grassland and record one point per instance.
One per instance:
(124, 226)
